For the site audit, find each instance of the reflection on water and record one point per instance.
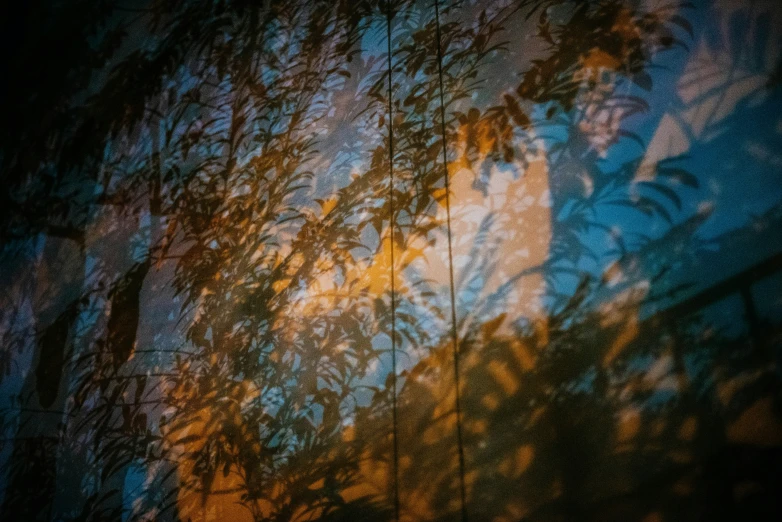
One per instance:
(393, 260)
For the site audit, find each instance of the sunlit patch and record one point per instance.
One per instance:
(516, 464)
(628, 425)
(757, 425)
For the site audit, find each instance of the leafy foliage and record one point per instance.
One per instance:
(261, 201)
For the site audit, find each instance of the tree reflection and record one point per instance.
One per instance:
(211, 270)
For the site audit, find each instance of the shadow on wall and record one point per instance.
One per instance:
(291, 262)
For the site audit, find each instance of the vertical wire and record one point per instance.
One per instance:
(389, 16)
(454, 334)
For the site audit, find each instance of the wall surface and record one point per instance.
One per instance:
(391, 260)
